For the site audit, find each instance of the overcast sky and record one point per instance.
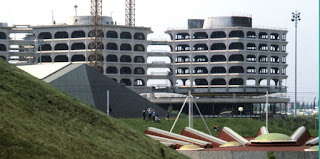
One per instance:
(163, 14)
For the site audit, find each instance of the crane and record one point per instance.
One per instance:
(130, 12)
(96, 34)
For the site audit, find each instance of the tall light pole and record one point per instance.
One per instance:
(295, 18)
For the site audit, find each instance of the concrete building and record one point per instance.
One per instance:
(223, 60)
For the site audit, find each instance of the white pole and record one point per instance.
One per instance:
(190, 110)
(184, 103)
(108, 106)
(267, 113)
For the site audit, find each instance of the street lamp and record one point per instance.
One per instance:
(240, 109)
(295, 18)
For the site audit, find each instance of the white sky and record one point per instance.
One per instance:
(163, 14)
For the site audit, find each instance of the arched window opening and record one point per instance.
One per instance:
(92, 33)
(125, 47)
(218, 34)
(77, 58)
(201, 82)
(200, 47)
(218, 58)
(112, 70)
(45, 47)
(96, 58)
(45, 35)
(139, 82)
(275, 48)
(112, 46)
(218, 81)
(200, 58)
(3, 47)
(251, 58)
(182, 36)
(274, 59)
(61, 58)
(179, 83)
(251, 82)
(125, 70)
(92, 45)
(139, 36)
(78, 46)
(236, 57)
(200, 35)
(236, 69)
(125, 82)
(182, 47)
(274, 36)
(139, 59)
(236, 46)
(3, 35)
(236, 34)
(251, 46)
(61, 35)
(125, 35)
(182, 70)
(181, 59)
(139, 47)
(283, 59)
(236, 81)
(283, 71)
(263, 70)
(200, 70)
(112, 34)
(78, 34)
(112, 58)
(45, 58)
(274, 70)
(217, 70)
(125, 58)
(274, 82)
(251, 34)
(139, 71)
(61, 46)
(251, 70)
(263, 58)
(218, 46)
(263, 35)
(263, 47)
(263, 82)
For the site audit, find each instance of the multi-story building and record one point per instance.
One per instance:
(224, 60)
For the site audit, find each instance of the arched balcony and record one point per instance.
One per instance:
(125, 70)
(92, 33)
(92, 45)
(61, 58)
(263, 58)
(61, 35)
(61, 46)
(125, 58)
(182, 70)
(274, 36)
(201, 82)
(78, 34)
(251, 70)
(139, 47)
(78, 46)
(45, 35)
(200, 47)
(125, 35)
(263, 35)
(112, 46)
(263, 47)
(218, 70)
(200, 70)
(251, 58)
(125, 47)
(182, 47)
(200, 58)
(182, 59)
(236, 34)
(236, 57)
(139, 59)
(236, 69)
(218, 34)
(200, 35)
(263, 70)
(274, 48)
(45, 47)
(3, 35)
(3, 47)
(218, 58)
(251, 35)
(139, 71)
(112, 58)
(125, 82)
(112, 70)
(78, 58)
(236, 46)
(112, 34)
(139, 36)
(218, 46)
(139, 82)
(182, 36)
(218, 81)
(251, 46)
(236, 81)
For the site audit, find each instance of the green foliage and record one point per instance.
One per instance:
(271, 155)
(38, 121)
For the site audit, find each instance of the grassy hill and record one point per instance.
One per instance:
(38, 121)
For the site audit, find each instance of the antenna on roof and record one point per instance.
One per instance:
(53, 21)
(75, 10)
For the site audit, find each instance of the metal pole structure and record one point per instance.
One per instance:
(190, 110)
(108, 103)
(184, 103)
(295, 18)
(202, 118)
(267, 111)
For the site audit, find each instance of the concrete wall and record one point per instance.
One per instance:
(248, 154)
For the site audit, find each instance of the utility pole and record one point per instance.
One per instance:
(295, 18)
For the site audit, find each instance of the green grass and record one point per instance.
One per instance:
(38, 121)
(244, 126)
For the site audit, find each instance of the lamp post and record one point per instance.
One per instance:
(295, 18)
(240, 109)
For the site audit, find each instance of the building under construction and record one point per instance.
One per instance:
(224, 61)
